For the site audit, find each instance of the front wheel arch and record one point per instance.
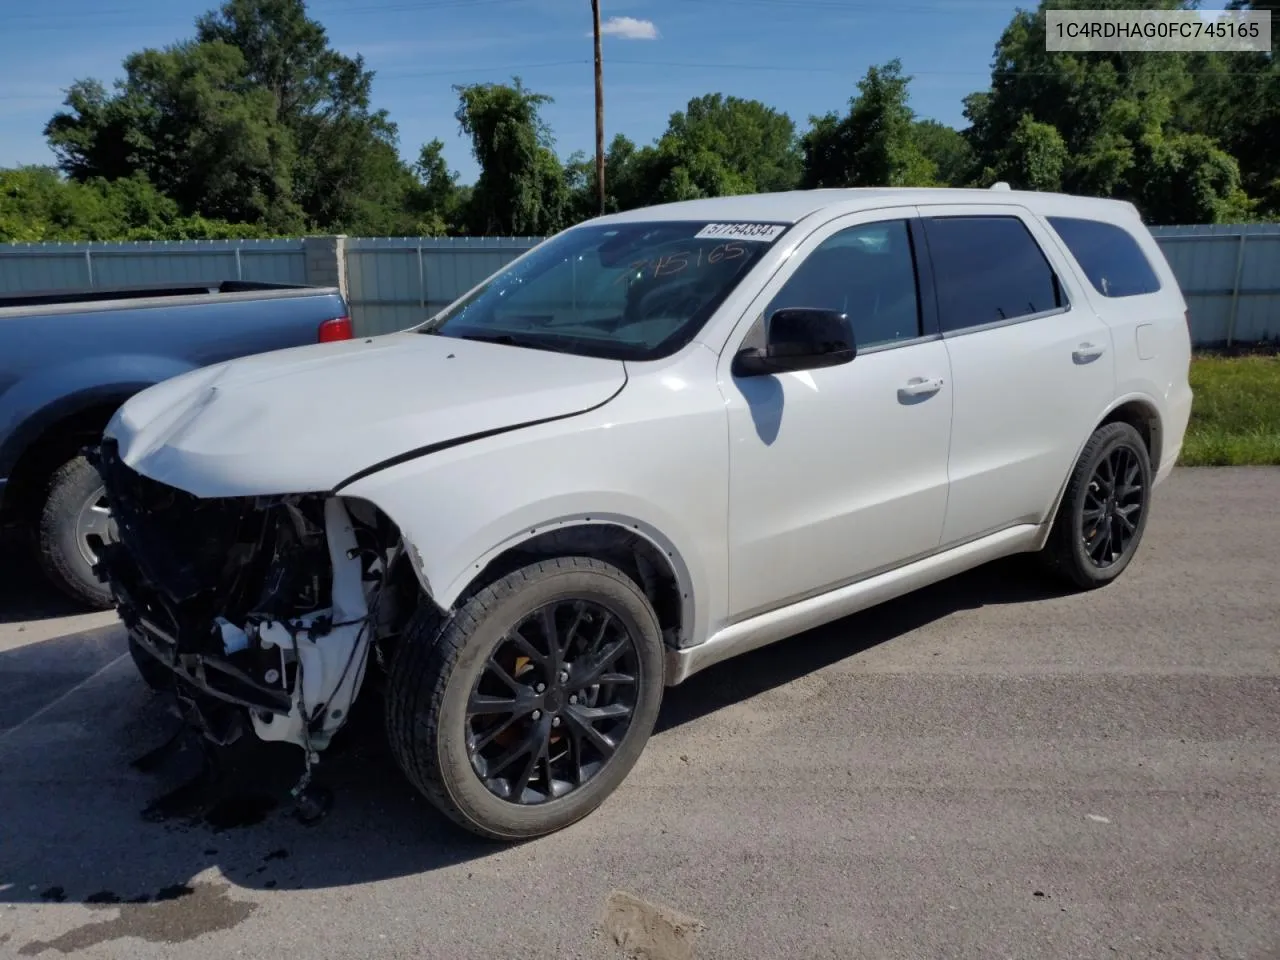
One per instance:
(634, 547)
(54, 441)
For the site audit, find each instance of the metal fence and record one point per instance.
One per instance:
(1230, 277)
(1230, 274)
(60, 266)
(395, 282)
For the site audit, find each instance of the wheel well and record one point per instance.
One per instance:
(1143, 418)
(56, 444)
(634, 555)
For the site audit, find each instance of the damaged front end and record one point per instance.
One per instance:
(264, 608)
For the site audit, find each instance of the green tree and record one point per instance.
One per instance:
(256, 119)
(99, 135)
(717, 146)
(1237, 102)
(186, 126)
(1125, 125)
(875, 144)
(182, 120)
(37, 204)
(627, 170)
(438, 201)
(1035, 158)
(754, 146)
(521, 190)
(348, 174)
(947, 149)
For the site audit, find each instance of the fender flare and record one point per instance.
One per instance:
(446, 595)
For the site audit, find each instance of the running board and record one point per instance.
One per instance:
(767, 628)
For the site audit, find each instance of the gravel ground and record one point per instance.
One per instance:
(985, 769)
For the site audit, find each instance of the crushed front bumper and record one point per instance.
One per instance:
(261, 606)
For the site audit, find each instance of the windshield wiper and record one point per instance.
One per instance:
(557, 343)
(505, 339)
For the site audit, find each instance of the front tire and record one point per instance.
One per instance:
(1103, 514)
(73, 526)
(153, 673)
(524, 711)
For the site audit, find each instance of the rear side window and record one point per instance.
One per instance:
(988, 269)
(1109, 256)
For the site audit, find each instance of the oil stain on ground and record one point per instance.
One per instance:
(239, 810)
(180, 913)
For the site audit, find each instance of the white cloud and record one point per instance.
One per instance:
(629, 28)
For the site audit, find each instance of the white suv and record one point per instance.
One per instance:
(657, 440)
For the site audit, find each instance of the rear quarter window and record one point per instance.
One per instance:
(1109, 256)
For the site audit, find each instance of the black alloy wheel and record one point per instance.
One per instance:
(554, 700)
(1113, 506)
(1104, 509)
(521, 710)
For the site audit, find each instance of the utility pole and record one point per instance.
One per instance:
(595, 14)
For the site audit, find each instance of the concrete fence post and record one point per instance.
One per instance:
(327, 261)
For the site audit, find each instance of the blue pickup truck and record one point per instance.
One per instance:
(70, 358)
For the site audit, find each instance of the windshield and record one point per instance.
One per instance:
(630, 291)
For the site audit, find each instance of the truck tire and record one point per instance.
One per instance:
(1104, 512)
(522, 712)
(73, 524)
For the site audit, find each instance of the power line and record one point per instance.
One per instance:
(774, 68)
(424, 5)
(510, 68)
(147, 14)
(459, 71)
(966, 7)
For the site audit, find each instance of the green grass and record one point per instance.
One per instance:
(1235, 417)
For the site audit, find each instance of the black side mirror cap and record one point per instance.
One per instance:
(799, 338)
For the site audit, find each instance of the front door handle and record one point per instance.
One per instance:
(1087, 352)
(918, 387)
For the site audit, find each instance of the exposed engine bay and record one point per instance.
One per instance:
(264, 609)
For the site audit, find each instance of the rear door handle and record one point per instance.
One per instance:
(920, 387)
(1087, 352)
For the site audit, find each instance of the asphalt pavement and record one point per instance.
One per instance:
(989, 768)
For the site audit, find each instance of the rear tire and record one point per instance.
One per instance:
(72, 527)
(535, 768)
(1104, 511)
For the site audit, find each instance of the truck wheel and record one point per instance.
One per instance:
(524, 711)
(73, 526)
(1104, 512)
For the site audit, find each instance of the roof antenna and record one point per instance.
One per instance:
(1001, 185)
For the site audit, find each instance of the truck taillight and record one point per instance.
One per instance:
(339, 328)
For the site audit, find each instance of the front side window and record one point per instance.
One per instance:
(866, 272)
(632, 291)
(1109, 256)
(988, 269)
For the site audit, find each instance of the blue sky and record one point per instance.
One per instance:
(802, 56)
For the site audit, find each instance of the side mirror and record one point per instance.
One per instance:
(799, 338)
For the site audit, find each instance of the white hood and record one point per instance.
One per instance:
(305, 419)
